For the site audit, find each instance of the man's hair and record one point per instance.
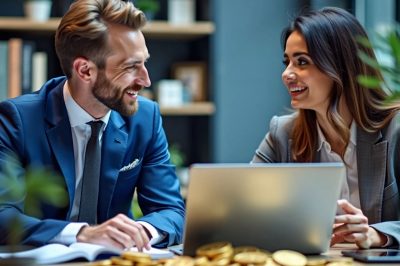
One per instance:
(83, 30)
(331, 37)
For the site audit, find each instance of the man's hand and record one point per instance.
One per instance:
(352, 226)
(118, 232)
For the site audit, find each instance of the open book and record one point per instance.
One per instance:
(55, 253)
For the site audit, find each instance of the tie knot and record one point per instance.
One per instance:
(96, 127)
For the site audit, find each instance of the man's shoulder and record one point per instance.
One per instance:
(39, 95)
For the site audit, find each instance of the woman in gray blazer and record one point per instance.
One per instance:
(337, 119)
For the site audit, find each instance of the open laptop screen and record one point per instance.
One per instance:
(271, 206)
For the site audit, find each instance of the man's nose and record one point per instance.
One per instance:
(143, 78)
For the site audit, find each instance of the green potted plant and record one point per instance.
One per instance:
(37, 10)
(149, 7)
(386, 45)
(39, 186)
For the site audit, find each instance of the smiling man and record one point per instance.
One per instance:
(93, 129)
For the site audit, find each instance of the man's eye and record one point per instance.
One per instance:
(130, 68)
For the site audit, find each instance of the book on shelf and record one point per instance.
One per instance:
(39, 70)
(28, 48)
(57, 253)
(3, 70)
(14, 67)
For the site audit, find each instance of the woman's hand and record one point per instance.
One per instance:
(352, 227)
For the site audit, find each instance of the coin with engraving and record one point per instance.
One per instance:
(214, 249)
(250, 257)
(289, 258)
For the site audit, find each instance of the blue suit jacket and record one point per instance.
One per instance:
(36, 128)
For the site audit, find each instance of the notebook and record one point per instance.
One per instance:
(270, 206)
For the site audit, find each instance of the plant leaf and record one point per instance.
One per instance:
(369, 81)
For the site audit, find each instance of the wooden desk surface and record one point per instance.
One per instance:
(334, 252)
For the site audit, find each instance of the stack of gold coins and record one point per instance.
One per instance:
(224, 254)
(219, 253)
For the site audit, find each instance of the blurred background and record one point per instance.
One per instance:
(215, 65)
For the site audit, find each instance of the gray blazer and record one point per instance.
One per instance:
(378, 161)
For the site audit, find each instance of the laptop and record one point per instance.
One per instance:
(270, 206)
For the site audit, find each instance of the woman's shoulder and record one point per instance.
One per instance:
(282, 124)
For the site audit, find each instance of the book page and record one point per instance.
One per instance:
(55, 253)
(52, 253)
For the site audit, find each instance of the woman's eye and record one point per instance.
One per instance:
(302, 62)
(285, 62)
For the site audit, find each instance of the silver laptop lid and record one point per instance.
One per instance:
(271, 206)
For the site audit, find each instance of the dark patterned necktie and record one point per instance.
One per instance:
(91, 176)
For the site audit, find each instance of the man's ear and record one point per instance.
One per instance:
(84, 69)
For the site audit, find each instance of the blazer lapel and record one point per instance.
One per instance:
(60, 138)
(371, 163)
(114, 146)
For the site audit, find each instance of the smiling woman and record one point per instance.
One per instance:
(339, 120)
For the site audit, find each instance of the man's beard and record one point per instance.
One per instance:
(113, 96)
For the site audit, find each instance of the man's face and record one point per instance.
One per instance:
(125, 74)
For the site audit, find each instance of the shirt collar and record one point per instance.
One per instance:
(322, 139)
(77, 115)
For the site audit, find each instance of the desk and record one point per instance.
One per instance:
(334, 252)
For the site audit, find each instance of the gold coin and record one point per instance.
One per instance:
(221, 262)
(316, 262)
(289, 258)
(201, 260)
(226, 255)
(241, 249)
(121, 262)
(337, 263)
(271, 262)
(340, 259)
(102, 263)
(214, 249)
(137, 257)
(181, 261)
(147, 263)
(251, 257)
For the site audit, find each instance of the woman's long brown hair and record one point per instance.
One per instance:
(330, 34)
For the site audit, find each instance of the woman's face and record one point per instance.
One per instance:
(308, 87)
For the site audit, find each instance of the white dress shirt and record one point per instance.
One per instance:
(81, 132)
(350, 189)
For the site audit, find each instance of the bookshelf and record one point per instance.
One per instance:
(153, 29)
(189, 124)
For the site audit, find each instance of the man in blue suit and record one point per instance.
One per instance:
(103, 53)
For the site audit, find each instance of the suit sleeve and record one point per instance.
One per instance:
(392, 228)
(12, 174)
(159, 190)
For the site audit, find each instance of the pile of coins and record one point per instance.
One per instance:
(224, 254)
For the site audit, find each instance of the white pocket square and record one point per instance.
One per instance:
(130, 166)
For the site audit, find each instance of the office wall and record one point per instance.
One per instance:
(247, 68)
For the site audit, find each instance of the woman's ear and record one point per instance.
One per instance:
(84, 69)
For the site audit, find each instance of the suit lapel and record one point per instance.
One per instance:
(371, 163)
(60, 138)
(114, 146)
